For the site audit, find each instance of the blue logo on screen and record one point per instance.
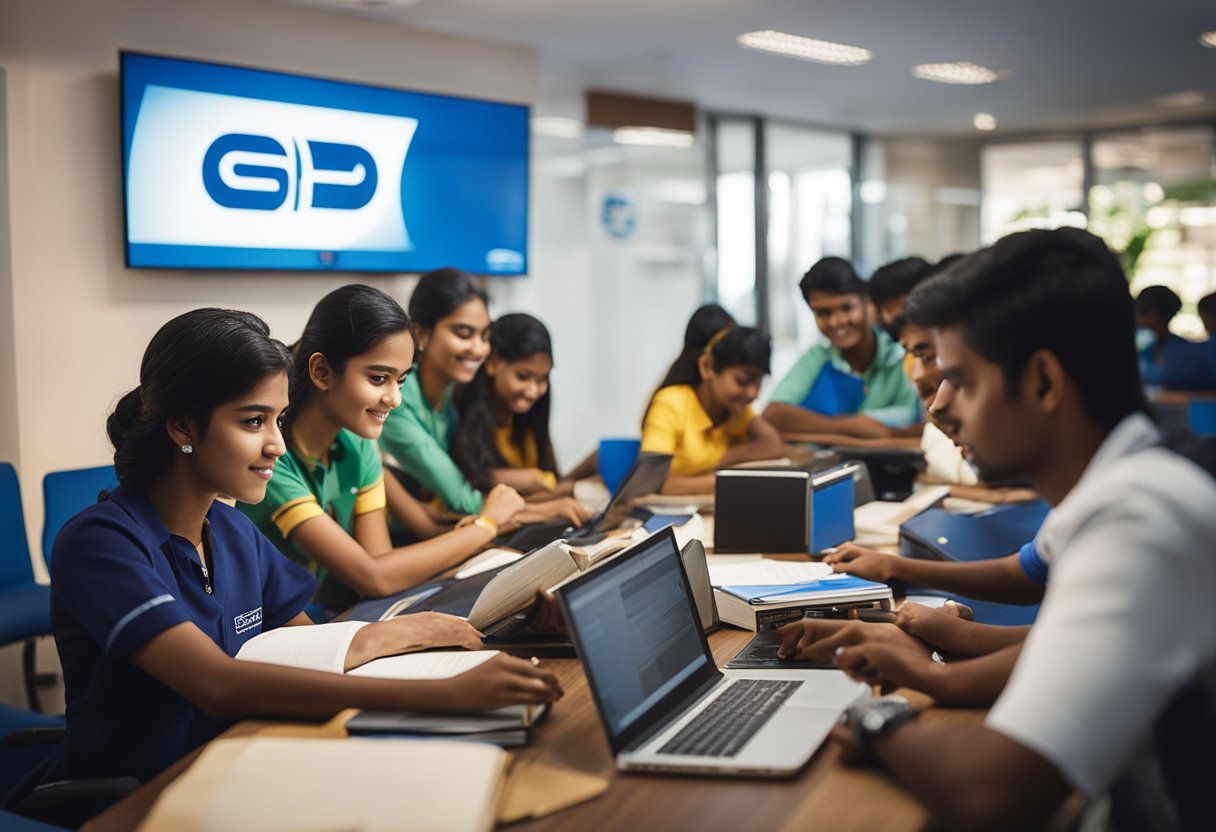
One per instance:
(234, 179)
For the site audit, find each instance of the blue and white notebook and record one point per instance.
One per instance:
(841, 588)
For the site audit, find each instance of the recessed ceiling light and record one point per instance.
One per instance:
(557, 127)
(1208, 39)
(653, 137)
(1185, 98)
(984, 121)
(959, 72)
(805, 49)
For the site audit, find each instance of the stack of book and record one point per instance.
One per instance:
(760, 607)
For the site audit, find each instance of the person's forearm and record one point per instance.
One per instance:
(960, 637)
(375, 640)
(967, 785)
(789, 418)
(695, 484)
(407, 566)
(987, 580)
(750, 451)
(523, 480)
(255, 689)
(974, 682)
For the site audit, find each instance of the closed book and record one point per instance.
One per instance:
(765, 607)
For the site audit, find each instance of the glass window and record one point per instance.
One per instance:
(1153, 202)
(735, 141)
(1035, 184)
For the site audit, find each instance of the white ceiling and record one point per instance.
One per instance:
(1072, 63)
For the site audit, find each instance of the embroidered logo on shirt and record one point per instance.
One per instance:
(248, 620)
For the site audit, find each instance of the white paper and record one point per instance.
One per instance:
(439, 665)
(764, 571)
(301, 785)
(315, 647)
(487, 560)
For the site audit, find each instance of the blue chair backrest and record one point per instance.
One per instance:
(1202, 416)
(67, 493)
(15, 566)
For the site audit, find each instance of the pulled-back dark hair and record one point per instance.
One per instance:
(513, 338)
(897, 278)
(832, 276)
(1030, 291)
(344, 324)
(739, 346)
(441, 292)
(704, 324)
(1159, 300)
(193, 364)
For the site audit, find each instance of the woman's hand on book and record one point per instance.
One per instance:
(863, 562)
(503, 680)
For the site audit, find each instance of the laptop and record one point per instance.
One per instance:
(664, 704)
(647, 476)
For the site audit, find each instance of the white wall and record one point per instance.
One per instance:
(78, 318)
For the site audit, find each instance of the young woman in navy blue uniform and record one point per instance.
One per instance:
(155, 589)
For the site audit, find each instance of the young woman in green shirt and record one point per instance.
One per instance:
(452, 320)
(325, 503)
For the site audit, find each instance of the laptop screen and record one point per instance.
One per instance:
(637, 633)
(646, 476)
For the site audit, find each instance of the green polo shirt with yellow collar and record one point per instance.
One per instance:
(302, 488)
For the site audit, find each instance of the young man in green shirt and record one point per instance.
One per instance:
(855, 384)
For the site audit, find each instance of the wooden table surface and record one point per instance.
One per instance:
(825, 795)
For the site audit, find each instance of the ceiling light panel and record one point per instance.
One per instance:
(958, 72)
(1208, 39)
(805, 49)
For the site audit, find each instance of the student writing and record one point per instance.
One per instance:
(155, 589)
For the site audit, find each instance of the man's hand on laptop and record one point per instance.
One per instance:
(892, 667)
(817, 639)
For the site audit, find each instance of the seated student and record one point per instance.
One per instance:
(1038, 397)
(702, 415)
(890, 284)
(853, 385)
(325, 504)
(704, 323)
(502, 436)
(1207, 313)
(1168, 360)
(452, 320)
(156, 588)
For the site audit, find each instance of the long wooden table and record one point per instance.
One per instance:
(825, 795)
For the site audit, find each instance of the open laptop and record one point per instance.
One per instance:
(646, 476)
(696, 567)
(663, 702)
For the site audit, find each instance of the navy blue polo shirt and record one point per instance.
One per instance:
(118, 579)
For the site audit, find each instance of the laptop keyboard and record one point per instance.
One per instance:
(723, 728)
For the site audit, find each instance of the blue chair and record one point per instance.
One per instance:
(25, 606)
(66, 493)
(1201, 414)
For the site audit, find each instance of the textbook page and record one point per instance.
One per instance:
(487, 560)
(439, 665)
(298, 785)
(766, 571)
(318, 647)
(513, 589)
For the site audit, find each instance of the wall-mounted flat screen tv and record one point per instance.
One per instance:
(226, 167)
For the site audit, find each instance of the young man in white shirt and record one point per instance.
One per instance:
(1036, 337)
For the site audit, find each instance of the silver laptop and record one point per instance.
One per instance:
(663, 702)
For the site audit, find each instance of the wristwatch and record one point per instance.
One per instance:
(876, 717)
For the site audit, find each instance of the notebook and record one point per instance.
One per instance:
(664, 704)
(646, 476)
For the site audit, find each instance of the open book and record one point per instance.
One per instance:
(514, 588)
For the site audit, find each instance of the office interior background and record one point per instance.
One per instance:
(1102, 115)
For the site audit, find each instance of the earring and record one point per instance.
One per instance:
(187, 449)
